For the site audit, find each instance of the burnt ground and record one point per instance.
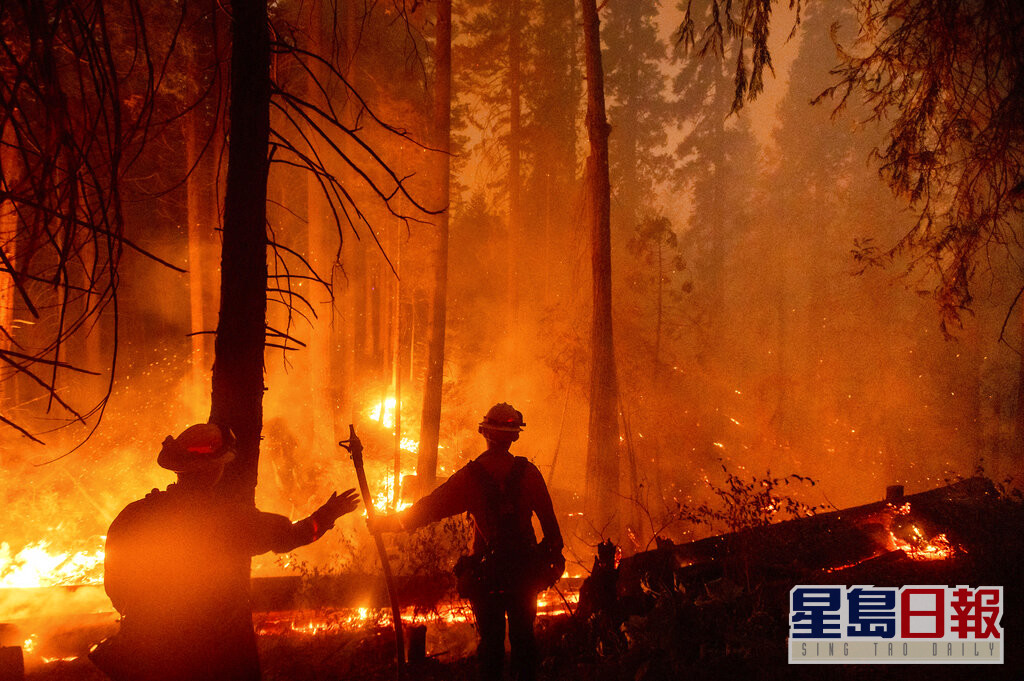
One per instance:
(725, 633)
(720, 642)
(724, 616)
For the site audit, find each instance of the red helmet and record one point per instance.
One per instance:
(503, 417)
(199, 446)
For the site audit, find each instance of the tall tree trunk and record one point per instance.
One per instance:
(514, 169)
(715, 268)
(88, 345)
(9, 244)
(1016, 466)
(376, 324)
(555, 157)
(195, 186)
(396, 364)
(971, 360)
(628, 183)
(237, 400)
(322, 258)
(430, 423)
(659, 311)
(602, 479)
(354, 253)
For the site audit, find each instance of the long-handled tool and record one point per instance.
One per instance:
(355, 447)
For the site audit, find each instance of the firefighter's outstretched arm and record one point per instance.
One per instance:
(447, 500)
(277, 533)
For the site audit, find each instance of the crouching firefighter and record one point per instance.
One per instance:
(177, 569)
(507, 568)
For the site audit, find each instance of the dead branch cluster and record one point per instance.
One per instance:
(85, 88)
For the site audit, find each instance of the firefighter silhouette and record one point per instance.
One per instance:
(177, 568)
(507, 568)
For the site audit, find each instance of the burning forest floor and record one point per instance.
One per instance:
(713, 609)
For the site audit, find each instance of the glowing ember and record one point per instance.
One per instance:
(38, 565)
(551, 603)
(921, 548)
(909, 538)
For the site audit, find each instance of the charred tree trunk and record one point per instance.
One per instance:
(602, 479)
(395, 334)
(237, 400)
(514, 169)
(9, 244)
(715, 268)
(430, 424)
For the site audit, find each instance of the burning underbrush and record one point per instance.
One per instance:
(54, 607)
(58, 625)
(707, 609)
(40, 564)
(718, 607)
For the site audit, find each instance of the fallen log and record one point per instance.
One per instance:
(898, 526)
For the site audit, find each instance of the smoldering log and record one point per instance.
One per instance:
(806, 548)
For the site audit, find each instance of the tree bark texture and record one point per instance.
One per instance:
(430, 423)
(602, 476)
(237, 400)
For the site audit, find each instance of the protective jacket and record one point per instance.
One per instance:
(177, 570)
(501, 493)
(468, 491)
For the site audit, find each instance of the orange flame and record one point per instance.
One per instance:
(39, 564)
(384, 412)
(915, 544)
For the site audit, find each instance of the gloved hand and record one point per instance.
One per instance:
(335, 507)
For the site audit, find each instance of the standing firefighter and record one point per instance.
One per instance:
(508, 568)
(177, 569)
